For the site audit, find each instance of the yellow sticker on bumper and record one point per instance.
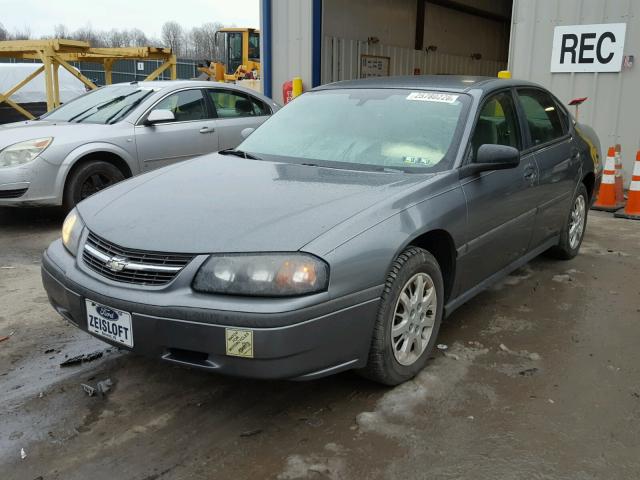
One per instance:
(239, 342)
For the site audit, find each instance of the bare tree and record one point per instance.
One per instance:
(173, 36)
(61, 31)
(24, 34)
(87, 34)
(4, 35)
(137, 38)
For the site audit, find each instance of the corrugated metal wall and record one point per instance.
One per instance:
(291, 44)
(341, 60)
(613, 108)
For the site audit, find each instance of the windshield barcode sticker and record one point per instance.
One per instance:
(432, 97)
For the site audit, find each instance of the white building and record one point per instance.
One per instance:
(328, 40)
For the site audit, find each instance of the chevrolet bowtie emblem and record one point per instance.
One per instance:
(116, 264)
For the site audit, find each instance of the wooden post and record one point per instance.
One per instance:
(45, 55)
(108, 68)
(174, 67)
(56, 85)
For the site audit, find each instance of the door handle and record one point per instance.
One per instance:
(207, 130)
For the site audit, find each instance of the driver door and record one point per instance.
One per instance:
(501, 204)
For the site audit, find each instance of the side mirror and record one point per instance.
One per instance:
(160, 116)
(247, 131)
(492, 157)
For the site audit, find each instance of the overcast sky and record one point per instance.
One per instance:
(148, 15)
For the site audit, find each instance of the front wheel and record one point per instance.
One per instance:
(573, 231)
(87, 179)
(408, 319)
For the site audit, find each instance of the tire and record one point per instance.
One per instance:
(383, 365)
(87, 179)
(568, 248)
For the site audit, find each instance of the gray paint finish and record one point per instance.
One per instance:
(357, 221)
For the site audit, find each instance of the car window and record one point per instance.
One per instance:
(186, 105)
(542, 116)
(229, 104)
(497, 123)
(412, 131)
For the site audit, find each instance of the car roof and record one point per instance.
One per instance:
(176, 84)
(451, 83)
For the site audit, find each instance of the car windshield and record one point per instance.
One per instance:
(364, 129)
(105, 105)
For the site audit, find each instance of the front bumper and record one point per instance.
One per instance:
(307, 342)
(32, 184)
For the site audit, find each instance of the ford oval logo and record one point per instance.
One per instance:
(107, 313)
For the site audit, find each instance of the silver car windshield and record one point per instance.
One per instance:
(105, 105)
(380, 128)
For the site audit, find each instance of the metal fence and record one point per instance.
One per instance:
(129, 70)
(341, 61)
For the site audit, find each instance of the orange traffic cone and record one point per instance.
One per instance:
(607, 200)
(632, 210)
(619, 177)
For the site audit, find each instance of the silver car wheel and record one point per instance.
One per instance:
(413, 319)
(576, 223)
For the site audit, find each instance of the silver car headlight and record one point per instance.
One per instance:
(23, 152)
(265, 275)
(71, 231)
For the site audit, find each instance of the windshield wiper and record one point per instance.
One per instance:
(239, 153)
(126, 109)
(97, 107)
(101, 106)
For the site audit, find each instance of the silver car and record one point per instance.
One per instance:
(119, 131)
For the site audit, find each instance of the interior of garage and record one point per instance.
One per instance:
(405, 37)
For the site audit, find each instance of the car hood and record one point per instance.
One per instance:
(11, 133)
(219, 203)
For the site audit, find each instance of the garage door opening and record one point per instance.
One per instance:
(365, 38)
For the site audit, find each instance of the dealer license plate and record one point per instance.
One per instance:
(109, 322)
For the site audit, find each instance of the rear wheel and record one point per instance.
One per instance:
(408, 319)
(573, 231)
(88, 179)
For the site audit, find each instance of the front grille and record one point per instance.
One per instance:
(13, 193)
(140, 267)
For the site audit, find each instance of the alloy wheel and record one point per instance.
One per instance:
(576, 223)
(413, 319)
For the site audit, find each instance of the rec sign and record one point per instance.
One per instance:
(588, 48)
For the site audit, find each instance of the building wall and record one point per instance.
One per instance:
(393, 22)
(614, 103)
(291, 52)
(458, 33)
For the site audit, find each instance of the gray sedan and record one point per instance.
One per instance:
(118, 131)
(340, 247)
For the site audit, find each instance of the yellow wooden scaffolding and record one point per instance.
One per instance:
(57, 53)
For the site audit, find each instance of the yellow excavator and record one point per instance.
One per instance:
(237, 56)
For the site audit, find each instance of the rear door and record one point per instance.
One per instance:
(548, 138)
(501, 204)
(235, 111)
(192, 133)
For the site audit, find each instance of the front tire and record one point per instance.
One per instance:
(408, 319)
(87, 179)
(573, 232)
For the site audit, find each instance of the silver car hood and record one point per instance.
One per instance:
(219, 203)
(11, 133)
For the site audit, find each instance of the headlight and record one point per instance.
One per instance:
(23, 152)
(71, 230)
(265, 275)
